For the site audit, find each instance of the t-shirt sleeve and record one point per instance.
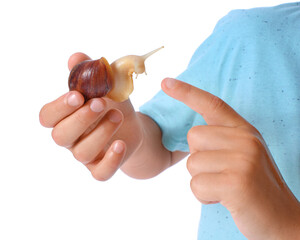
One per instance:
(173, 117)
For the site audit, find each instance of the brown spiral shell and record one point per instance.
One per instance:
(92, 78)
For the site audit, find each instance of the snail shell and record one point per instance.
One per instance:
(92, 78)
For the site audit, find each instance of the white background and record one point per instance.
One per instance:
(44, 192)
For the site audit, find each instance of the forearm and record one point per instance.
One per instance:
(151, 157)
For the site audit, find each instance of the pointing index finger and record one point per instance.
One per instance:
(213, 109)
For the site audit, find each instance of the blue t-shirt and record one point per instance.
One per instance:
(251, 61)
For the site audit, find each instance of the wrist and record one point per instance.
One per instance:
(150, 157)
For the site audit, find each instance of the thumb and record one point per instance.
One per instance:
(77, 58)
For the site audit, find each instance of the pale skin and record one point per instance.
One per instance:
(229, 161)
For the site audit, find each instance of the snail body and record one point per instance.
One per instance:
(96, 78)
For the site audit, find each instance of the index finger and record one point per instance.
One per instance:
(213, 109)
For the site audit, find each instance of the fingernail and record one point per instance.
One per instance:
(73, 100)
(170, 83)
(96, 106)
(115, 117)
(118, 147)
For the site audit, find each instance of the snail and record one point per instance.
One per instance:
(97, 78)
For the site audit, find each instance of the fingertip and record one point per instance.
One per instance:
(163, 83)
(53, 112)
(76, 58)
(168, 83)
(119, 147)
(74, 99)
(97, 104)
(112, 161)
(115, 116)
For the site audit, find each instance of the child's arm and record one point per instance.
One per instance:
(105, 135)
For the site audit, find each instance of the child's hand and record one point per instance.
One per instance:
(92, 130)
(231, 164)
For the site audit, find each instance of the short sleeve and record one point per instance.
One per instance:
(174, 118)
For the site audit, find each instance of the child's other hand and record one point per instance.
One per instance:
(89, 130)
(231, 164)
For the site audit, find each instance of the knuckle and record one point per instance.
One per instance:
(193, 133)
(196, 184)
(190, 164)
(216, 103)
(189, 93)
(252, 130)
(255, 144)
(80, 155)
(114, 165)
(57, 136)
(82, 118)
(193, 184)
(239, 183)
(247, 168)
(196, 187)
(190, 135)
